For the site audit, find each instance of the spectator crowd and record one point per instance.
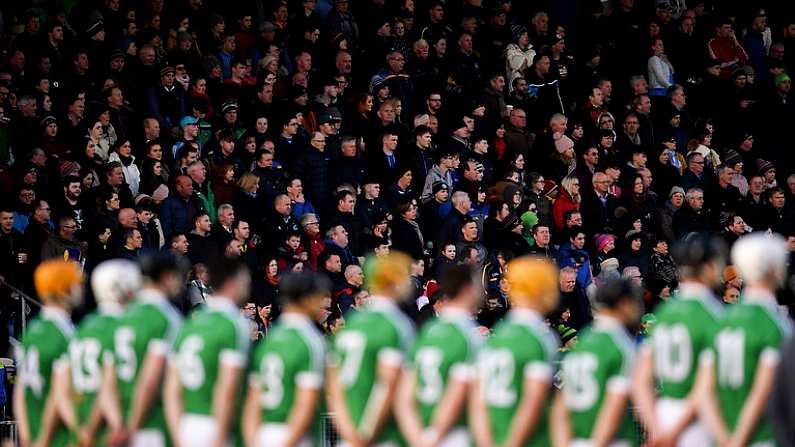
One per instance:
(309, 134)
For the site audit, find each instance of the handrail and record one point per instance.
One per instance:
(23, 299)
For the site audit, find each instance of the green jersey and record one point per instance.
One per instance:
(44, 349)
(751, 333)
(149, 324)
(292, 356)
(522, 347)
(381, 333)
(90, 349)
(445, 350)
(684, 331)
(601, 362)
(215, 335)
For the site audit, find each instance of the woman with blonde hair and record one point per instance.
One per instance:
(568, 199)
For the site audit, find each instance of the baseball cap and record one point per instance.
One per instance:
(188, 120)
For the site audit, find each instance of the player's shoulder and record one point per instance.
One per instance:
(524, 331)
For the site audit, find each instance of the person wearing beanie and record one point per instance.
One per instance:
(518, 55)
(768, 172)
(733, 160)
(563, 161)
(167, 100)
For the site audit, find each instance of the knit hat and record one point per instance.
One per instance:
(602, 240)
(68, 168)
(566, 333)
(94, 27)
(783, 77)
(166, 70)
(763, 166)
(731, 157)
(609, 264)
(517, 31)
(529, 220)
(675, 190)
(729, 273)
(47, 120)
(160, 193)
(228, 106)
(116, 54)
(439, 186)
(562, 142)
(141, 197)
(633, 234)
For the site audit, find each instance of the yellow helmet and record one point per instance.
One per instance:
(533, 282)
(388, 274)
(55, 280)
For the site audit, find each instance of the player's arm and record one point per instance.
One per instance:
(406, 410)
(536, 383)
(560, 424)
(303, 413)
(58, 408)
(705, 395)
(335, 396)
(109, 401)
(21, 408)
(612, 412)
(643, 392)
(453, 401)
(479, 416)
(148, 384)
(756, 401)
(381, 399)
(172, 402)
(232, 363)
(252, 410)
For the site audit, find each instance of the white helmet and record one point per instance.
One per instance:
(113, 281)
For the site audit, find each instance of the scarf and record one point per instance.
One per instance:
(416, 228)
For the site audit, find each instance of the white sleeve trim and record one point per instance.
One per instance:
(538, 370)
(706, 358)
(309, 379)
(231, 357)
(60, 363)
(618, 384)
(462, 371)
(390, 356)
(770, 356)
(158, 346)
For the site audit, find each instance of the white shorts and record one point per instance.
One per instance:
(383, 444)
(148, 438)
(274, 435)
(588, 443)
(669, 413)
(197, 430)
(458, 437)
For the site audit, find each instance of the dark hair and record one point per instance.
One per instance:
(296, 287)
(615, 291)
(223, 269)
(155, 264)
(455, 279)
(68, 180)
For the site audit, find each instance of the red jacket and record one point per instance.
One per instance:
(563, 203)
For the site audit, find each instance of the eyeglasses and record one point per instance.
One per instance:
(71, 227)
(311, 223)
